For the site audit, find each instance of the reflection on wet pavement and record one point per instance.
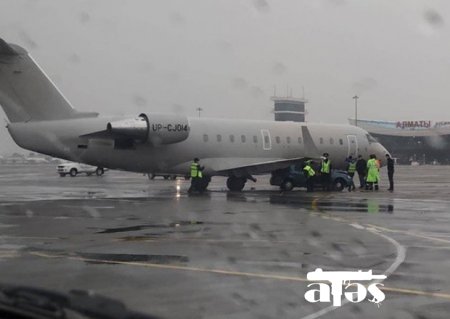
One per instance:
(224, 254)
(324, 204)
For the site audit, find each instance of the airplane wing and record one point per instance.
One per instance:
(246, 166)
(254, 166)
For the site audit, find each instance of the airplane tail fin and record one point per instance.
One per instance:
(26, 92)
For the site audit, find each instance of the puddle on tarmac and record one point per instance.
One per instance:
(327, 204)
(153, 259)
(108, 258)
(149, 226)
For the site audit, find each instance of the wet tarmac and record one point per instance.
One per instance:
(226, 255)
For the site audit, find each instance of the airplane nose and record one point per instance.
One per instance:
(379, 150)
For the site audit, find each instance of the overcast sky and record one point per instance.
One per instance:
(226, 56)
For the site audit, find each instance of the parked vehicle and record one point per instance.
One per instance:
(73, 169)
(293, 176)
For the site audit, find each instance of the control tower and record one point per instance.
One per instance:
(289, 109)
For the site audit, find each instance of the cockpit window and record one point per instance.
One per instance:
(371, 139)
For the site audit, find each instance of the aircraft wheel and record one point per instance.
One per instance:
(236, 184)
(166, 176)
(73, 172)
(173, 177)
(203, 183)
(62, 175)
(151, 176)
(99, 171)
(287, 185)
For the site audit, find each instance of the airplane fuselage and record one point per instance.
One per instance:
(212, 140)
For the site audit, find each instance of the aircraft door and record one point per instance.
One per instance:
(267, 143)
(352, 146)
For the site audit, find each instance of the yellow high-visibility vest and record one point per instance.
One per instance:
(325, 167)
(351, 167)
(372, 171)
(308, 169)
(195, 171)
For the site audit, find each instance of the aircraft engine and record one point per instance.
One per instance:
(154, 128)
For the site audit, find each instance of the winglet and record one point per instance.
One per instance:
(6, 49)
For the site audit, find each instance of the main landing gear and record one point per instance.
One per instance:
(203, 183)
(236, 184)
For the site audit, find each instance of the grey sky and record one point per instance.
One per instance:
(129, 56)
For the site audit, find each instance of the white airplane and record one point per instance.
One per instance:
(42, 120)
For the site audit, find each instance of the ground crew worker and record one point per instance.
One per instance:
(378, 163)
(372, 173)
(390, 171)
(309, 174)
(361, 168)
(325, 171)
(351, 169)
(196, 175)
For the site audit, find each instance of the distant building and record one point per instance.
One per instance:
(421, 141)
(31, 158)
(289, 109)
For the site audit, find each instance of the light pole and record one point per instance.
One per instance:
(356, 97)
(199, 110)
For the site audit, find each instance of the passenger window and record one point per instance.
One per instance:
(331, 141)
(321, 140)
(255, 139)
(205, 138)
(341, 141)
(277, 139)
(299, 140)
(219, 138)
(243, 138)
(288, 140)
(232, 138)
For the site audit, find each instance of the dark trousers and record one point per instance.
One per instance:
(310, 184)
(326, 181)
(194, 183)
(391, 180)
(362, 180)
(352, 185)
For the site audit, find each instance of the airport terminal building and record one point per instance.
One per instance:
(408, 141)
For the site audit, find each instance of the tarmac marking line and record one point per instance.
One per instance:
(399, 259)
(234, 273)
(357, 226)
(417, 292)
(175, 267)
(404, 232)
